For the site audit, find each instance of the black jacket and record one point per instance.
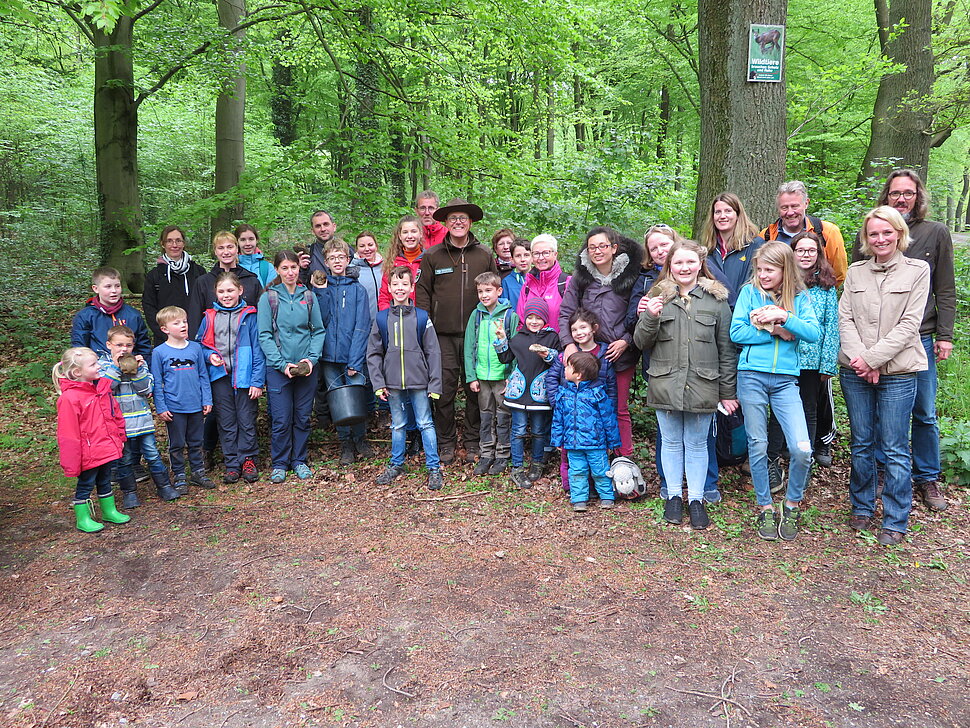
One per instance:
(161, 292)
(525, 387)
(204, 293)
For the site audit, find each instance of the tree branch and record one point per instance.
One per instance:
(71, 13)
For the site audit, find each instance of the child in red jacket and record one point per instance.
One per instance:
(90, 435)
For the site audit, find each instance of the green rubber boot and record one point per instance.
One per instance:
(109, 512)
(83, 515)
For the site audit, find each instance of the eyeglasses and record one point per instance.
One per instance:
(905, 194)
(427, 208)
(542, 254)
(806, 252)
(599, 248)
(336, 258)
(174, 240)
(458, 218)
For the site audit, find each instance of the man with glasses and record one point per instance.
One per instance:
(446, 290)
(425, 207)
(930, 241)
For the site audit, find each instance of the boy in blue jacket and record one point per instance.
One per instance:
(345, 310)
(107, 309)
(584, 424)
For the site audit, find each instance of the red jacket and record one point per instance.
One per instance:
(90, 426)
(434, 234)
(384, 295)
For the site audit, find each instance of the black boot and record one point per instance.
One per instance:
(163, 486)
(129, 492)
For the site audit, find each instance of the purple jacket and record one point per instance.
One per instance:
(547, 285)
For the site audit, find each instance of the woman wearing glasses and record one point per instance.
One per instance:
(170, 282)
(731, 240)
(606, 269)
(546, 280)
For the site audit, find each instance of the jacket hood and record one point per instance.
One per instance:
(501, 306)
(68, 384)
(281, 288)
(359, 262)
(668, 290)
(251, 257)
(350, 276)
(238, 307)
(626, 268)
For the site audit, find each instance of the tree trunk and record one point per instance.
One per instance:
(743, 124)
(551, 118)
(116, 153)
(579, 110)
(901, 124)
(366, 168)
(283, 111)
(950, 209)
(231, 119)
(663, 122)
(958, 220)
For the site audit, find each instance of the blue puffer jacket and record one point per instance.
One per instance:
(763, 352)
(584, 418)
(556, 375)
(91, 324)
(248, 364)
(346, 316)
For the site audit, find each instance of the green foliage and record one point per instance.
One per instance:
(955, 450)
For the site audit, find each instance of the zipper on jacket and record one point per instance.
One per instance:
(774, 359)
(399, 334)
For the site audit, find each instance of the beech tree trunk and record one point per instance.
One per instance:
(663, 121)
(116, 154)
(743, 124)
(366, 167)
(901, 123)
(962, 201)
(230, 120)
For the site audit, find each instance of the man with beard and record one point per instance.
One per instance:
(323, 227)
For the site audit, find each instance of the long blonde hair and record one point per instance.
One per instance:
(397, 246)
(744, 230)
(70, 365)
(779, 255)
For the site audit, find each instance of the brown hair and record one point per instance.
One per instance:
(499, 234)
(228, 275)
(585, 364)
(922, 194)
(693, 247)
(488, 279)
(396, 247)
(822, 275)
(104, 272)
(401, 271)
(170, 229)
(120, 331)
(744, 230)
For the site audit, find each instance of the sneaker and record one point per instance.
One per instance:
(413, 448)
(712, 496)
(364, 449)
(607, 504)
(579, 507)
(498, 466)
(203, 481)
(535, 472)
(699, 519)
(182, 487)
(435, 479)
(302, 471)
(520, 478)
(483, 465)
(890, 538)
(933, 499)
(776, 476)
(788, 527)
(277, 476)
(823, 456)
(348, 453)
(249, 471)
(230, 477)
(674, 510)
(768, 525)
(390, 474)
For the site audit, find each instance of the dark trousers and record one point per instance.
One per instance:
(452, 377)
(185, 433)
(335, 375)
(824, 432)
(291, 403)
(237, 422)
(810, 390)
(88, 480)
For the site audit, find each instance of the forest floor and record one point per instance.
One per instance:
(333, 602)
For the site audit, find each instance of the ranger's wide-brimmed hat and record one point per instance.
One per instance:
(459, 205)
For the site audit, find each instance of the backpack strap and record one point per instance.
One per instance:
(561, 284)
(817, 228)
(420, 325)
(274, 306)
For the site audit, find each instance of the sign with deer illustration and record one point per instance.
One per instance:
(766, 52)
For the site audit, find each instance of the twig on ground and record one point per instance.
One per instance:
(191, 712)
(203, 634)
(61, 699)
(259, 558)
(456, 496)
(454, 635)
(226, 719)
(394, 690)
(568, 717)
(712, 696)
(310, 615)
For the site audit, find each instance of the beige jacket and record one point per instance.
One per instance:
(880, 313)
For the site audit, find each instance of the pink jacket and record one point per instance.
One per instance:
(90, 426)
(547, 286)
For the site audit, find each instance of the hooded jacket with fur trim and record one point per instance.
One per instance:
(693, 362)
(607, 296)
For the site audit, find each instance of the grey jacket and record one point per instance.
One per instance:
(693, 363)
(407, 363)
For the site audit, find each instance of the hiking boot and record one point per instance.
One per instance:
(860, 523)
(181, 487)
(390, 474)
(776, 476)
(302, 471)
(768, 525)
(413, 448)
(249, 471)
(823, 456)
(435, 479)
(890, 538)
(483, 465)
(471, 457)
(364, 449)
(203, 481)
(674, 510)
(535, 472)
(607, 504)
(699, 519)
(446, 456)
(348, 453)
(110, 512)
(84, 517)
(520, 478)
(788, 527)
(579, 507)
(498, 466)
(933, 499)
(277, 476)
(230, 477)
(163, 486)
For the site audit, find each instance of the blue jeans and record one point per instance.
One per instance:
(582, 465)
(137, 446)
(88, 480)
(926, 433)
(420, 403)
(540, 422)
(880, 414)
(756, 391)
(291, 404)
(335, 375)
(684, 451)
(711, 492)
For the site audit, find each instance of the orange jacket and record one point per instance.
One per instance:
(831, 237)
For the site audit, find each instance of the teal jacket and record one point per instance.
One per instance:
(481, 359)
(763, 352)
(298, 326)
(823, 355)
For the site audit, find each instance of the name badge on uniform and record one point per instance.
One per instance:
(442, 271)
